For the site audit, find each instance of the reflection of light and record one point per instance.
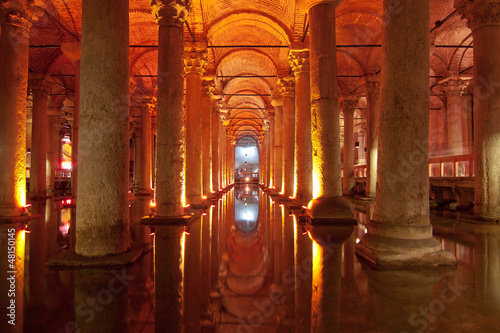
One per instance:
(247, 189)
(247, 179)
(357, 240)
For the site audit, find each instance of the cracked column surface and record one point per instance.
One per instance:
(102, 217)
(400, 234)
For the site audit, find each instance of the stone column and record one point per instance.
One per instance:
(170, 116)
(102, 213)
(223, 154)
(327, 185)
(72, 50)
(215, 123)
(484, 22)
(299, 62)
(452, 88)
(287, 90)
(14, 43)
(348, 105)
(263, 154)
(146, 148)
(372, 88)
(206, 119)
(40, 87)
(400, 233)
(270, 152)
(277, 102)
(195, 62)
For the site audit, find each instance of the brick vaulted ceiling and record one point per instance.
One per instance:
(251, 23)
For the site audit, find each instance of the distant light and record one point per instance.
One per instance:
(247, 179)
(357, 240)
(66, 165)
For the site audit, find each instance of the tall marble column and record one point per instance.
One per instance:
(452, 88)
(327, 200)
(400, 233)
(277, 102)
(206, 146)
(169, 188)
(372, 89)
(40, 87)
(485, 25)
(348, 106)
(270, 160)
(170, 115)
(299, 62)
(102, 215)
(287, 90)
(146, 147)
(215, 123)
(14, 44)
(195, 62)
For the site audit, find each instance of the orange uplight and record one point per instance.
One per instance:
(204, 197)
(152, 204)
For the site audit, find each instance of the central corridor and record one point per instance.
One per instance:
(253, 292)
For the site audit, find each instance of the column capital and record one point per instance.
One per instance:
(299, 61)
(286, 86)
(208, 87)
(453, 85)
(195, 61)
(147, 104)
(305, 5)
(372, 85)
(72, 50)
(276, 98)
(170, 12)
(348, 103)
(479, 12)
(40, 84)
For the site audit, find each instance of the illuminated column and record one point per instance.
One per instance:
(263, 154)
(231, 160)
(195, 62)
(40, 87)
(206, 119)
(223, 147)
(327, 200)
(270, 151)
(170, 115)
(14, 43)
(400, 233)
(277, 102)
(372, 86)
(146, 146)
(102, 213)
(215, 123)
(348, 105)
(287, 90)
(452, 88)
(299, 62)
(482, 19)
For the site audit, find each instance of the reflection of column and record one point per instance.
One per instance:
(192, 277)
(277, 102)
(326, 276)
(206, 119)
(195, 62)
(452, 88)
(372, 85)
(482, 20)
(299, 61)
(288, 263)
(104, 131)
(287, 90)
(40, 87)
(12, 241)
(103, 295)
(206, 249)
(400, 233)
(348, 105)
(169, 113)
(214, 247)
(37, 261)
(303, 280)
(14, 43)
(487, 263)
(278, 244)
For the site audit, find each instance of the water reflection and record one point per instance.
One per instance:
(247, 281)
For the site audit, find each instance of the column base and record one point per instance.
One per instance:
(331, 211)
(414, 247)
